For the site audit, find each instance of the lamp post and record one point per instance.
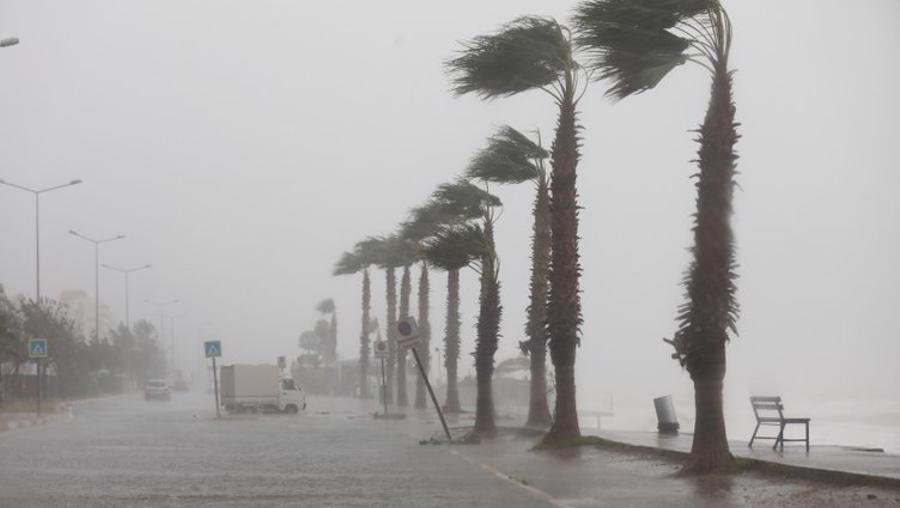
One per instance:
(96, 274)
(125, 272)
(37, 222)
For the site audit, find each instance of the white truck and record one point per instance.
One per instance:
(259, 388)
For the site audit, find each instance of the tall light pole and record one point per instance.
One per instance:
(37, 221)
(162, 317)
(125, 272)
(96, 274)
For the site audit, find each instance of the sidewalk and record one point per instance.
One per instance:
(16, 421)
(840, 459)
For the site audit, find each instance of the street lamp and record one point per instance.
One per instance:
(125, 272)
(9, 41)
(96, 274)
(37, 222)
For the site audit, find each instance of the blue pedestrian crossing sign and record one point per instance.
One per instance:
(37, 348)
(213, 348)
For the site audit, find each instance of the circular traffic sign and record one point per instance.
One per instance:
(404, 328)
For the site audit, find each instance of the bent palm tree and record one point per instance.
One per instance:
(512, 158)
(350, 263)
(635, 44)
(472, 246)
(534, 53)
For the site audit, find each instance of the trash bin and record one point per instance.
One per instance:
(665, 415)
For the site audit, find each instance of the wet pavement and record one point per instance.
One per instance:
(846, 459)
(125, 452)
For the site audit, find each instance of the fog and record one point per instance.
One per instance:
(243, 146)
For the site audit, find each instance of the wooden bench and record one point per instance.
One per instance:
(770, 411)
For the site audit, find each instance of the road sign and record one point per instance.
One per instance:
(282, 362)
(213, 348)
(407, 333)
(37, 348)
(380, 349)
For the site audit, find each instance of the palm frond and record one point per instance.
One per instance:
(528, 53)
(350, 263)
(425, 221)
(394, 251)
(464, 200)
(510, 157)
(636, 43)
(455, 247)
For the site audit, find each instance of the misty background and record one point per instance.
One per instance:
(242, 146)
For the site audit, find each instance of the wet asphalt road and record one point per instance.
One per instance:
(124, 452)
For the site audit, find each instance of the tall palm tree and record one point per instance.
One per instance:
(512, 158)
(390, 253)
(424, 333)
(452, 205)
(534, 53)
(351, 263)
(634, 45)
(405, 293)
(474, 246)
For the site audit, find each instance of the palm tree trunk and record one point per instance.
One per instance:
(364, 337)
(536, 328)
(405, 290)
(425, 334)
(488, 332)
(564, 309)
(451, 342)
(711, 309)
(391, 279)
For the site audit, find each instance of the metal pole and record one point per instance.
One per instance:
(431, 392)
(37, 245)
(216, 386)
(97, 290)
(37, 379)
(384, 388)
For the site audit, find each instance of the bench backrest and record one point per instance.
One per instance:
(767, 409)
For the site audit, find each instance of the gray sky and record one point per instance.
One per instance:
(243, 145)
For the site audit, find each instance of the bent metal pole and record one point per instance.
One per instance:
(431, 392)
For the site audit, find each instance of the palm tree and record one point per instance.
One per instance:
(512, 158)
(635, 44)
(451, 206)
(390, 253)
(534, 53)
(351, 263)
(470, 244)
(405, 292)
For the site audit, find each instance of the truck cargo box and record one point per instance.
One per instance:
(242, 383)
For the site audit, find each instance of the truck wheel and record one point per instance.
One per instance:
(290, 409)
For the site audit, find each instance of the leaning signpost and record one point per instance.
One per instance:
(37, 349)
(213, 349)
(407, 339)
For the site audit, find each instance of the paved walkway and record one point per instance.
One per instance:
(830, 458)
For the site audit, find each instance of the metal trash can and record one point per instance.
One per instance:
(665, 415)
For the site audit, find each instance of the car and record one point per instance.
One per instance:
(157, 389)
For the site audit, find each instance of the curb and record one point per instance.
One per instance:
(63, 410)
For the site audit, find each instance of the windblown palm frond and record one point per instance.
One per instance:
(456, 247)
(426, 220)
(635, 43)
(510, 157)
(350, 263)
(528, 53)
(394, 252)
(464, 200)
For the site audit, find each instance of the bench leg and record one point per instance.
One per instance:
(779, 439)
(750, 444)
(807, 437)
